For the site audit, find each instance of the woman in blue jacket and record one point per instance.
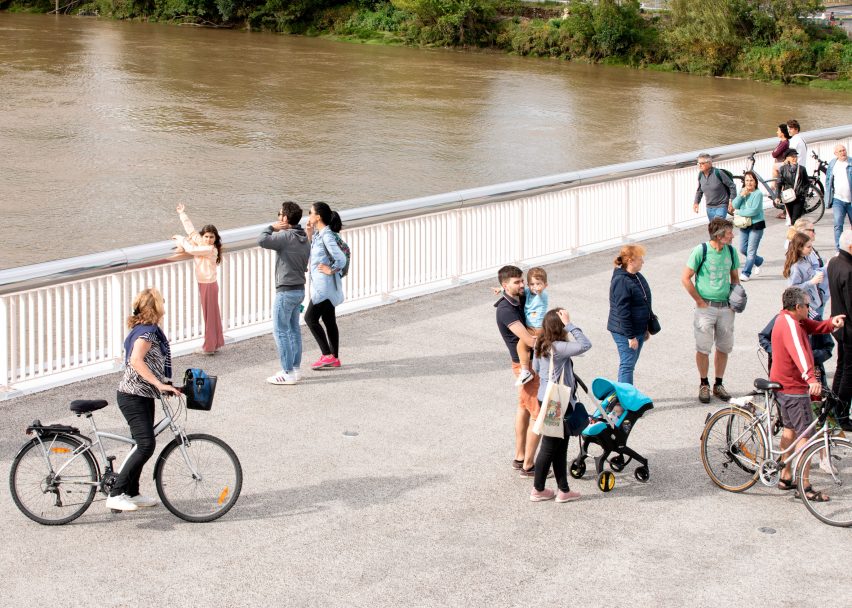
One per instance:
(629, 309)
(327, 261)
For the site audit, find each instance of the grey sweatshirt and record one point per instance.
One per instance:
(716, 187)
(293, 251)
(562, 353)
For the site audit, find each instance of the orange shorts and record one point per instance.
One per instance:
(527, 393)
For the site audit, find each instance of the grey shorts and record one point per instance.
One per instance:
(796, 411)
(713, 325)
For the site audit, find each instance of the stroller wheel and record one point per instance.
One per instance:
(578, 469)
(616, 463)
(642, 474)
(606, 481)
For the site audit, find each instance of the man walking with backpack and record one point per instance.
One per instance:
(716, 186)
(714, 266)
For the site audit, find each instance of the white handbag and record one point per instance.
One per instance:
(557, 398)
(788, 195)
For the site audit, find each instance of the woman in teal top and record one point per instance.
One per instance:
(749, 204)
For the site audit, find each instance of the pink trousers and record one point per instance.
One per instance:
(214, 339)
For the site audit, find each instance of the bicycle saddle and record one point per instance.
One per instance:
(765, 385)
(84, 406)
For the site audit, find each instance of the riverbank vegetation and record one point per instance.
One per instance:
(770, 40)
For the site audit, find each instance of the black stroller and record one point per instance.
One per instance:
(621, 405)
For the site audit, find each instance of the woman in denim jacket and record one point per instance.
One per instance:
(327, 260)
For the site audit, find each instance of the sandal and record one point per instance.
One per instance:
(813, 495)
(786, 484)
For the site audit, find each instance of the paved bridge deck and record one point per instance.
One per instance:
(421, 508)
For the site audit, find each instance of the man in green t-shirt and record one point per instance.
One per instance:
(714, 268)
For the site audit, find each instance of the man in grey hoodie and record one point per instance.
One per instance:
(290, 243)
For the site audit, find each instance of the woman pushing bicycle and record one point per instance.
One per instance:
(147, 373)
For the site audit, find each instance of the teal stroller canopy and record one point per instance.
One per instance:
(629, 398)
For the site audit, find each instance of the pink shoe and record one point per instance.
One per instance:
(567, 496)
(545, 494)
(326, 361)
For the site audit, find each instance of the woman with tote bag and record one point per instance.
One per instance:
(553, 342)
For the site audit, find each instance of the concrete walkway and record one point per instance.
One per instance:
(421, 508)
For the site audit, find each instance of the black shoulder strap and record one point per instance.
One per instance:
(731, 255)
(703, 257)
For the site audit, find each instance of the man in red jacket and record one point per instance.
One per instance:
(793, 369)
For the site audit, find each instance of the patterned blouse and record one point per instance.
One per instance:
(133, 383)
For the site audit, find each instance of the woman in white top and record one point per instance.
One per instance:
(206, 249)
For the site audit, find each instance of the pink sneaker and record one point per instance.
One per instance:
(326, 361)
(545, 494)
(567, 496)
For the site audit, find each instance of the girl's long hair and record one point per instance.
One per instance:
(794, 251)
(217, 243)
(552, 330)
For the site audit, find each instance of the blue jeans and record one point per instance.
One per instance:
(841, 210)
(749, 241)
(627, 357)
(717, 212)
(285, 328)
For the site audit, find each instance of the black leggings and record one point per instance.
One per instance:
(139, 413)
(842, 385)
(795, 210)
(325, 311)
(553, 451)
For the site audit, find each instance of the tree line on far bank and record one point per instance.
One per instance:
(759, 39)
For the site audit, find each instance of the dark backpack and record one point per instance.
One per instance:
(346, 251)
(716, 172)
(730, 249)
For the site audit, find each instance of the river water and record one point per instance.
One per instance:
(105, 125)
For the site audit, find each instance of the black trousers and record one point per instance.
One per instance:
(795, 210)
(139, 413)
(842, 384)
(552, 451)
(330, 344)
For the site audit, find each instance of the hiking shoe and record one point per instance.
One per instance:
(567, 496)
(721, 392)
(704, 393)
(531, 472)
(524, 377)
(121, 502)
(143, 501)
(282, 378)
(545, 494)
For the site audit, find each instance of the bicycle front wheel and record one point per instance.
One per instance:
(833, 481)
(732, 448)
(199, 480)
(814, 204)
(50, 483)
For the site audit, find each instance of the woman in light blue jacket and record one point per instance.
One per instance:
(327, 262)
(749, 204)
(800, 273)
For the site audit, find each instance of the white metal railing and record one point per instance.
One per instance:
(64, 320)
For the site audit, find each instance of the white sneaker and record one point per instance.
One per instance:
(744, 278)
(143, 501)
(282, 378)
(755, 271)
(121, 502)
(297, 373)
(524, 377)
